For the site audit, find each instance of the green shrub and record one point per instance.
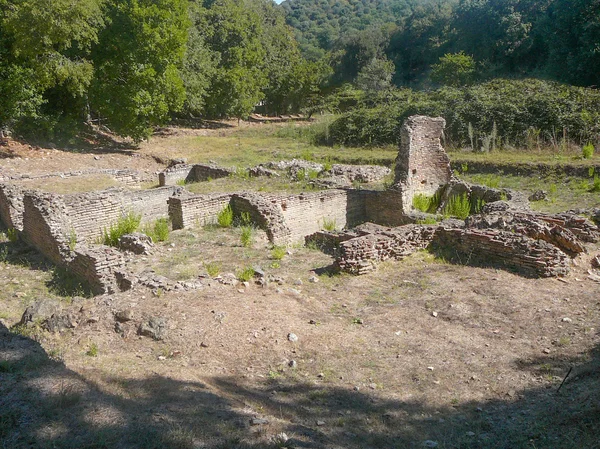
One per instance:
(596, 185)
(278, 252)
(212, 268)
(12, 234)
(588, 151)
(313, 174)
(225, 217)
(476, 205)
(301, 175)
(246, 274)
(458, 206)
(244, 219)
(126, 225)
(247, 236)
(425, 203)
(515, 107)
(158, 231)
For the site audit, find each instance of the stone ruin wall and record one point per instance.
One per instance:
(306, 213)
(90, 213)
(188, 210)
(192, 173)
(422, 165)
(11, 206)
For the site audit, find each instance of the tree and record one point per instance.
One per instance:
(455, 70)
(233, 35)
(376, 75)
(45, 65)
(137, 80)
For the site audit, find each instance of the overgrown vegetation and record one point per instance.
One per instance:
(225, 217)
(246, 236)
(158, 231)
(426, 203)
(458, 206)
(127, 224)
(491, 115)
(245, 274)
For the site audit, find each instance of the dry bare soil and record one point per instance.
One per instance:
(420, 353)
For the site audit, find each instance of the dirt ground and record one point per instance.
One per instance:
(420, 353)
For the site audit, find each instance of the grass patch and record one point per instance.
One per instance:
(12, 235)
(126, 225)
(245, 275)
(92, 350)
(426, 203)
(278, 252)
(212, 268)
(225, 217)
(329, 224)
(458, 206)
(587, 152)
(247, 236)
(158, 231)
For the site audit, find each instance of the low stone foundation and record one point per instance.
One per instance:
(500, 249)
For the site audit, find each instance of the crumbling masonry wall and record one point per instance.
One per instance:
(192, 173)
(89, 213)
(11, 206)
(422, 165)
(187, 210)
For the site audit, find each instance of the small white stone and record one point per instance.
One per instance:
(567, 320)
(292, 337)
(430, 368)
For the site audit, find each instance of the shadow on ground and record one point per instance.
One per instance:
(44, 404)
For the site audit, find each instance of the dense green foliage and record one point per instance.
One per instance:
(131, 64)
(558, 39)
(498, 112)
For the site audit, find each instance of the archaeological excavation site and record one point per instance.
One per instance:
(333, 306)
(366, 227)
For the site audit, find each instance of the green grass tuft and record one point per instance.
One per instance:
(278, 253)
(587, 151)
(126, 225)
(247, 236)
(458, 206)
(158, 231)
(246, 274)
(225, 217)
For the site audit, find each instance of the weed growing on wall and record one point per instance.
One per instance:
(225, 217)
(12, 235)
(126, 225)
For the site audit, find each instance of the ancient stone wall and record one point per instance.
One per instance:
(91, 212)
(265, 214)
(422, 165)
(188, 210)
(384, 207)
(501, 249)
(11, 206)
(96, 265)
(360, 255)
(308, 213)
(125, 176)
(173, 175)
(203, 172)
(46, 227)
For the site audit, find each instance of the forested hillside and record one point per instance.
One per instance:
(321, 23)
(555, 39)
(132, 64)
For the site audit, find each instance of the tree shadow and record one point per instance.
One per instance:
(44, 404)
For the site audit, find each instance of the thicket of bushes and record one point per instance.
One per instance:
(499, 112)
